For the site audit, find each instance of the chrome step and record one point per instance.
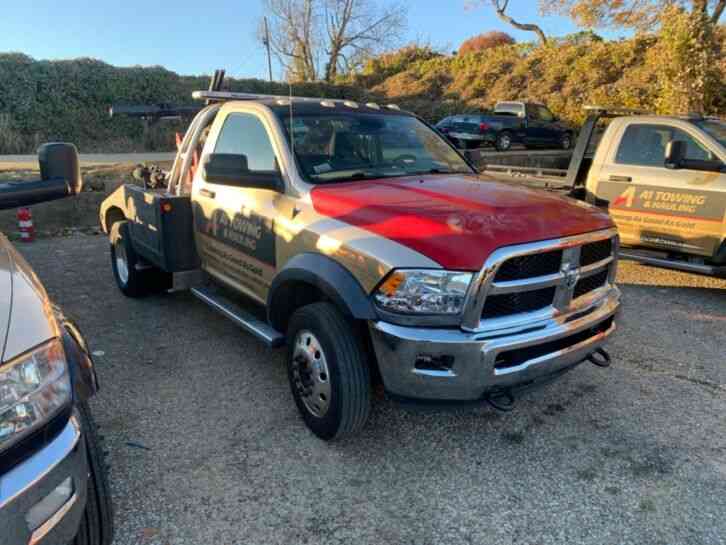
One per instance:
(243, 318)
(698, 268)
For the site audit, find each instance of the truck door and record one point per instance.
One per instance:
(678, 210)
(234, 226)
(537, 126)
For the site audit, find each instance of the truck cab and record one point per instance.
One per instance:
(664, 181)
(361, 240)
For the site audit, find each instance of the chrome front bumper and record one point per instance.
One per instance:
(29, 483)
(470, 362)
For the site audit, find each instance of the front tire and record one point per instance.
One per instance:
(328, 373)
(97, 523)
(503, 141)
(566, 141)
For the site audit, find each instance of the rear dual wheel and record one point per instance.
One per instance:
(328, 373)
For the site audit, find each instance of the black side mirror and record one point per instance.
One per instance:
(60, 174)
(231, 169)
(59, 161)
(675, 154)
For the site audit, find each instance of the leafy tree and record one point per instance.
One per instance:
(636, 14)
(485, 41)
(686, 62)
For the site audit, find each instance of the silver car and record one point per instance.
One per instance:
(53, 486)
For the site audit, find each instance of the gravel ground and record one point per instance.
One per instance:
(206, 445)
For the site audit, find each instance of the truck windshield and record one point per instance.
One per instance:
(342, 147)
(714, 127)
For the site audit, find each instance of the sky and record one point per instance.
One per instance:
(181, 36)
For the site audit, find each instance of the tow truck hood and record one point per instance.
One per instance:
(456, 220)
(26, 314)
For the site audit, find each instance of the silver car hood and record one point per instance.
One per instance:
(26, 314)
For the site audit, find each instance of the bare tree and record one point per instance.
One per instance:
(356, 29)
(343, 33)
(500, 6)
(294, 36)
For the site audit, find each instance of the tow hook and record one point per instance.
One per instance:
(600, 357)
(501, 401)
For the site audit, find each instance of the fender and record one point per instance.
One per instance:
(80, 363)
(330, 277)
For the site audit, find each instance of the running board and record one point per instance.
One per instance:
(675, 264)
(244, 319)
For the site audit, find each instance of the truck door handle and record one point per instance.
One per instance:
(614, 178)
(206, 193)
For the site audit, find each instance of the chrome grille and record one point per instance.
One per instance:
(590, 283)
(512, 303)
(596, 251)
(545, 278)
(526, 266)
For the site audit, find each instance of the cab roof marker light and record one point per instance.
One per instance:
(351, 104)
(327, 103)
(283, 102)
(392, 107)
(373, 106)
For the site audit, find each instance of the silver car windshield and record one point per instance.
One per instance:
(342, 147)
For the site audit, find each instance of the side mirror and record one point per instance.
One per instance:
(675, 154)
(231, 169)
(60, 174)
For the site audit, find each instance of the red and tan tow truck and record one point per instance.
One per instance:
(362, 240)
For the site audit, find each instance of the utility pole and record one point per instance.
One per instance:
(267, 44)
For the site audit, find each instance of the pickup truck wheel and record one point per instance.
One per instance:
(503, 141)
(328, 374)
(566, 141)
(97, 523)
(132, 281)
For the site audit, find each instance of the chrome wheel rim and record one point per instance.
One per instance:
(310, 374)
(504, 142)
(122, 265)
(566, 142)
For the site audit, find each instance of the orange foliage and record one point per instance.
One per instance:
(485, 41)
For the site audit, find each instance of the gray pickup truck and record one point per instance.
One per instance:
(53, 486)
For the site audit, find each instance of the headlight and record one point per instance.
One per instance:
(423, 291)
(33, 389)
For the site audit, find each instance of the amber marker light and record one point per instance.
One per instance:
(392, 283)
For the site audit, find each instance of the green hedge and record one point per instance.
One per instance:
(42, 101)
(68, 100)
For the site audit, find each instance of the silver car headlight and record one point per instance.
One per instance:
(33, 389)
(421, 291)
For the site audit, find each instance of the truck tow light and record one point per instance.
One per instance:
(483, 127)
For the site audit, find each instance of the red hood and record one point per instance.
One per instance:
(455, 220)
